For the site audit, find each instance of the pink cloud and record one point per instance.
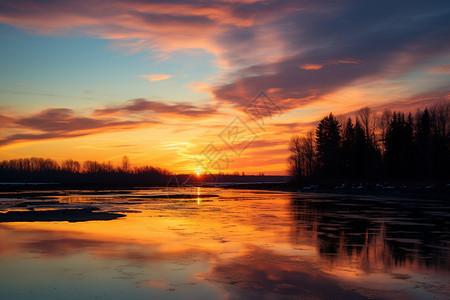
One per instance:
(142, 105)
(416, 101)
(311, 67)
(442, 69)
(332, 62)
(142, 25)
(156, 77)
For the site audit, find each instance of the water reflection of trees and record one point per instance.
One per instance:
(374, 233)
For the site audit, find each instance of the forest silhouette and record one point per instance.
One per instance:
(390, 145)
(69, 171)
(37, 169)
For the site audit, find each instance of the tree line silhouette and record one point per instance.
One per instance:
(37, 169)
(370, 145)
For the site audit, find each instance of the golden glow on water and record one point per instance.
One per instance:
(239, 243)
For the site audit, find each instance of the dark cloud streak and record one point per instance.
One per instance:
(58, 123)
(142, 105)
(384, 39)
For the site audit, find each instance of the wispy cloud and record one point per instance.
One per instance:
(60, 123)
(142, 105)
(5, 121)
(104, 147)
(46, 95)
(156, 77)
(416, 101)
(320, 66)
(442, 69)
(330, 46)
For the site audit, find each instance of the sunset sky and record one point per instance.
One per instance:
(161, 81)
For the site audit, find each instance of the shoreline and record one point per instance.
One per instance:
(440, 191)
(416, 190)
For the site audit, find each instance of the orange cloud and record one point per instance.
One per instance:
(156, 77)
(331, 62)
(5, 121)
(60, 123)
(311, 67)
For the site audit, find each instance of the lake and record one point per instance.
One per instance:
(213, 243)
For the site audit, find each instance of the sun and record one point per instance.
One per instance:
(198, 173)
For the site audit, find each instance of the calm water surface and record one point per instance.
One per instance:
(230, 244)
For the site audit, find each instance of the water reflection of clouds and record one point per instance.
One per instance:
(264, 274)
(250, 245)
(54, 243)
